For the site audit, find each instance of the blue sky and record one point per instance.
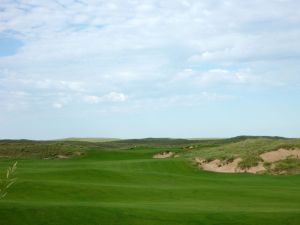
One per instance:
(133, 69)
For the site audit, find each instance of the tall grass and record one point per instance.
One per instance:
(8, 180)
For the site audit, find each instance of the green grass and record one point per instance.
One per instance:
(129, 187)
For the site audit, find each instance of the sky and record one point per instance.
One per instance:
(149, 68)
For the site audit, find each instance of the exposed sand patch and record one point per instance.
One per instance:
(163, 155)
(221, 167)
(280, 154)
(225, 167)
(62, 157)
(256, 169)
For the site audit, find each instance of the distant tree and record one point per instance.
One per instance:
(7, 180)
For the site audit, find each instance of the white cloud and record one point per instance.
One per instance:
(92, 99)
(110, 97)
(16, 80)
(217, 77)
(57, 105)
(54, 31)
(178, 100)
(73, 49)
(154, 104)
(248, 47)
(11, 100)
(115, 97)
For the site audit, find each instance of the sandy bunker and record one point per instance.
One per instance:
(228, 167)
(166, 154)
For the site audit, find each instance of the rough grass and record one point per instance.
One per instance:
(287, 166)
(129, 187)
(249, 161)
(37, 149)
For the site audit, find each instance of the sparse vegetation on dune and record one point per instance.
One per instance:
(289, 165)
(120, 182)
(247, 148)
(39, 149)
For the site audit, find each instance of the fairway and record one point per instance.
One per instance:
(129, 187)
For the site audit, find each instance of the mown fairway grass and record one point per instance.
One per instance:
(128, 187)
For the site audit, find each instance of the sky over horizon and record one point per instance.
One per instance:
(133, 69)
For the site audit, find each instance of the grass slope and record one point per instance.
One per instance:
(128, 187)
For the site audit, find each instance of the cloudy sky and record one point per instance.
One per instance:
(149, 68)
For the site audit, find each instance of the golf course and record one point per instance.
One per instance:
(149, 112)
(120, 183)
